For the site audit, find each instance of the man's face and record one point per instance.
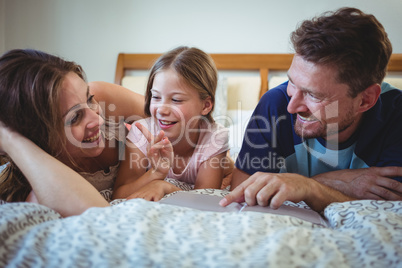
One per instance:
(323, 105)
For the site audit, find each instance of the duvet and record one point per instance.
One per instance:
(138, 233)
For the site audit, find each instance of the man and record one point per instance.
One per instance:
(331, 124)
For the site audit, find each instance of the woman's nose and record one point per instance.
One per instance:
(94, 118)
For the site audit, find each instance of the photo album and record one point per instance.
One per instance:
(211, 203)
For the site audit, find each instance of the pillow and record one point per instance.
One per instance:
(221, 101)
(137, 84)
(240, 119)
(395, 81)
(275, 81)
(243, 92)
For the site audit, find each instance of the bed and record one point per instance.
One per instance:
(137, 233)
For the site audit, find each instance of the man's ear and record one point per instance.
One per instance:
(207, 106)
(369, 97)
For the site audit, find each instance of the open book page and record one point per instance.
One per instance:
(211, 203)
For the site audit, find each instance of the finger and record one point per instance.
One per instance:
(265, 194)
(251, 192)
(390, 184)
(132, 196)
(164, 145)
(381, 193)
(148, 135)
(237, 195)
(390, 172)
(278, 199)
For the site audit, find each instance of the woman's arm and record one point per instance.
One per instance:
(55, 185)
(118, 102)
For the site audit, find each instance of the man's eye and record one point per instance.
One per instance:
(313, 98)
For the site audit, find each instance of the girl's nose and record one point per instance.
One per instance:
(163, 109)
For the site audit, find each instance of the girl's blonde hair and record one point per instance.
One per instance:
(194, 66)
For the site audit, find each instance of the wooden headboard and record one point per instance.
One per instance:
(264, 63)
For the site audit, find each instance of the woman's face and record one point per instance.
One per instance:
(82, 120)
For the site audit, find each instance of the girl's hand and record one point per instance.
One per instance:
(160, 150)
(154, 191)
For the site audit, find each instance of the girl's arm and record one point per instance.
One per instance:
(133, 173)
(55, 185)
(118, 102)
(154, 191)
(212, 171)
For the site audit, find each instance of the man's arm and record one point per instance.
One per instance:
(366, 183)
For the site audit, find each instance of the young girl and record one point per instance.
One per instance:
(179, 140)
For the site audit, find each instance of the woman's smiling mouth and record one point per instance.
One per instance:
(93, 138)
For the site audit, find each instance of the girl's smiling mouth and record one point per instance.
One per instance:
(166, 124)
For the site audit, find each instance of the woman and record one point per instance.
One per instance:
(45, 99)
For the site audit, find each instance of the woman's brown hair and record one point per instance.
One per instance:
(30, 83)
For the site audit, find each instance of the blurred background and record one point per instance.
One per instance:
(93, 32)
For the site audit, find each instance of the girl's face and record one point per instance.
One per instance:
(175, 106)
(82, 120)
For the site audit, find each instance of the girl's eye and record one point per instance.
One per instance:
(176, 100)
(155, 97)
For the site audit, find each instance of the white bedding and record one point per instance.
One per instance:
(137, 233)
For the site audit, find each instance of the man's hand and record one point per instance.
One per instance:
(366, 183)
(272, 189)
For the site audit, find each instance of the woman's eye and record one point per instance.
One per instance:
(74, 119)
(91, 102)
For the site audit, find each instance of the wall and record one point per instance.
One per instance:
(93, 32)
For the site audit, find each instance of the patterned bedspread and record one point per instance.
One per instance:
(138, 233)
